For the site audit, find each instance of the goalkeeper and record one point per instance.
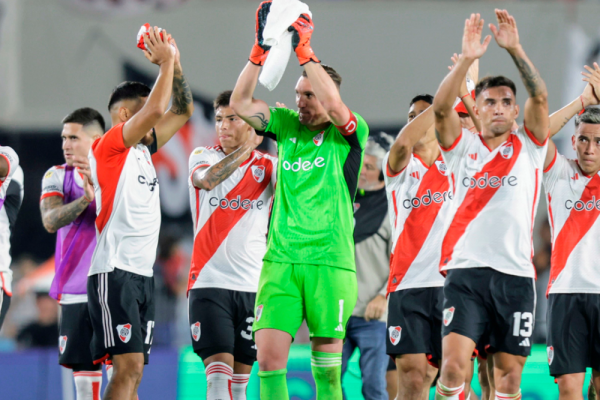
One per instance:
(308, 270)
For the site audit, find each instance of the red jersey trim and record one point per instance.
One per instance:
(534, 139)
(581, 170)
(390, 173)
(549, 167)
(50, 194)
(484, 143)
(453, 144)
(194, 171)
(110, 154)
(420, 159)
(349, 127)
(9, 294)
(9, 168)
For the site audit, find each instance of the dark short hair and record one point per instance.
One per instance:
(337, 78)
(589, 116)
(427, 98)
(494, 81)
(85, 116)
(222, 99)
(128, 91)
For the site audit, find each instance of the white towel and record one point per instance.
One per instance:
(282, 14)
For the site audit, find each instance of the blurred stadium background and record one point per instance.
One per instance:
(58, 55)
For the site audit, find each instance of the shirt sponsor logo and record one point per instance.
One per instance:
(448, 315)
(487, 181)
(62, 344)
(195, 327)
(318, 139)
(236, 203)
(427, 199)
(258, 173)
(304, 165)
(579, 205)
(124, 332)
(395, 333)
(151, 184)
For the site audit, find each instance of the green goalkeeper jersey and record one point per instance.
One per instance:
(312, 217)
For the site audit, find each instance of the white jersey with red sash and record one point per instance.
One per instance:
(231, 222)
(496, 193)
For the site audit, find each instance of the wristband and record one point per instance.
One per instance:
(462, 97)
(582, 106)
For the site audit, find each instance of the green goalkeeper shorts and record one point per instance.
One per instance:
(289, 293)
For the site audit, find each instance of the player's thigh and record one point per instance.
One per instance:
(147, 314)
(4, 304)
(571, 383)
(75, 336)
(211, 317)
(513, 300)
(244, 348)
(410, 322)
(329, 296)
(465, 303)
(279, 303)
(569, 337)
(593, 313)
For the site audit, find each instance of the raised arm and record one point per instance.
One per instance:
(211, 177)
(465, 93)
(447, 123)
(255, 112)
(410, 134)
(586, 99)
(158, 100)
(182, 105)
(536, 106)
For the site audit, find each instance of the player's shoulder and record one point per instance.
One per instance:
(55, 172)
(114, 134)
(10, 154)
(260, 155)
(202, 150)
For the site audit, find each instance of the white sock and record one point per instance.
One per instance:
(88, 384)
(445, 393)
(218, 381)
(238, 386)
(503, 396)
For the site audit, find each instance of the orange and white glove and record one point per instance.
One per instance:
(259, 52)
(302, 32)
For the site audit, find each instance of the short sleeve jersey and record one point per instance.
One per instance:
(496, 193)
(11, 197)
(127, 205)
(317, 174)
(231, 222)
(573, 210)
(76, 241)
(418, 198)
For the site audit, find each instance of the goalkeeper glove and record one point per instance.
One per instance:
(302, 31)
(259, 52)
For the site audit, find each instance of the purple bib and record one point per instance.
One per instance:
(75, 244)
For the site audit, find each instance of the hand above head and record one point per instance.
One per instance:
(506, 34)
(463, 85)
(592, 89)
(472, 47)
(302, 32)
(260, 51)
(177, 53)
(158, 42)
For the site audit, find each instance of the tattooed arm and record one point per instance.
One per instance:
(255, 112)
(209, 178)
(536, 107)
(55, 214)
(182, 106)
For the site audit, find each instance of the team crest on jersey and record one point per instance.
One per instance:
(441, 166)
(395, 333)
(259, 312)
(195, 331)
(318, 139)
(356, 207)
(62, 344)
(48, 174)
(550, 350)
(258, 172)
(124, 332)
(448, 315)
(507, 151)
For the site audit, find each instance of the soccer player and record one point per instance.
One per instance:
(120, 284)
(11, 197)
(231, 188)
(68, 208)
(309, 269)
(573, 193)
(487, 248)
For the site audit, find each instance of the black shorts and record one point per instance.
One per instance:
(75, 336)
(573, 332)
(415, 323)
(4, 304)
(121, 308)
(221, 322)
(482, 300)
